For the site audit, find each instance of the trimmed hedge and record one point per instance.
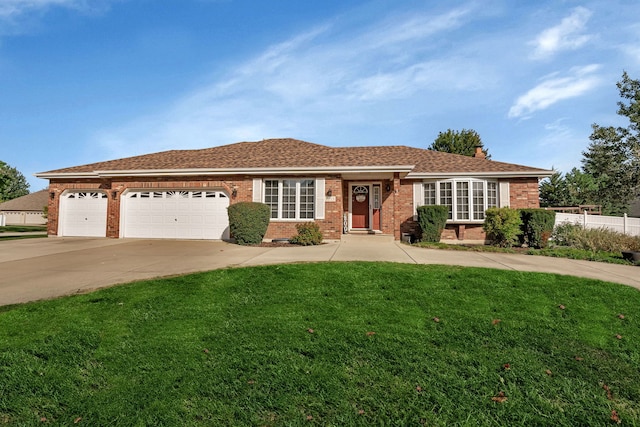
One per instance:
(537, 227)
(432, 220)
(308, 234)
(248, 222)
(502, 226)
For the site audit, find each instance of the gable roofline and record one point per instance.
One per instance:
(288, 156)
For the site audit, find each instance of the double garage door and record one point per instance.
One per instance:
(172, 214)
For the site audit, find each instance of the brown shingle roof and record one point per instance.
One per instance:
(292, 153)
(31, 202)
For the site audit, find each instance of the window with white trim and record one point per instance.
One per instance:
(467, 199)
(290, 198)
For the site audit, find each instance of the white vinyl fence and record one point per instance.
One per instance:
(23, 218)
(621, 224)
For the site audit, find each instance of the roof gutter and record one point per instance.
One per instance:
(404, 169)
(515, 174)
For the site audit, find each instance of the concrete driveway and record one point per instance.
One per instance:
(34, 269)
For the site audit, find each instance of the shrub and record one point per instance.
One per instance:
(432, 220)
(594, 239)
(537, 227)
(248, 222)
(308, 234)
(502, 226)
(565, 234)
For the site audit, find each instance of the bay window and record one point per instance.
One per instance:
(467, 199)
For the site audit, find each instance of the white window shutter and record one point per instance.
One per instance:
(320, 198)
(504, 194)
(418, 197)
(257, 190)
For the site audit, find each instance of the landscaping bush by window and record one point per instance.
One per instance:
(432, 219)
(537, 226)
(502, 226)
(308, 234)
(248, 222)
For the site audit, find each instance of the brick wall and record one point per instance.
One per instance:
(331, 226)
(396, 212)
(404, 209)
(523, 193)
(463, 232)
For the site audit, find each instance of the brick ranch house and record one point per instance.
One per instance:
(184, 193)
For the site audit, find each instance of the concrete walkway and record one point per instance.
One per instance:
(34, 269)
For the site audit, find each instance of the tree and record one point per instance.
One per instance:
(581, 188)
(613, 156)
(553, 191)
(12, 183)
(459, 142)
(571, 189)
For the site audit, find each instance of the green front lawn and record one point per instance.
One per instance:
(557, 252)
(22, 228)
(327, 344)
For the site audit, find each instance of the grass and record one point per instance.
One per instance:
(22, 228)
(327, 344)
(556, 252)
(465, 247)
(28, 236)
(583, 254)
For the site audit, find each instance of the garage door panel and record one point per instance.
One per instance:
(83, 214)
(176, 214)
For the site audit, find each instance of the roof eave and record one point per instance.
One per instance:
(68, 175)
(502, 174)
(226, 171)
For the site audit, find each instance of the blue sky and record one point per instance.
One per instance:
(90, 80)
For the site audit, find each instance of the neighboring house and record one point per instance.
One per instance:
(184, 193)
(26, 210)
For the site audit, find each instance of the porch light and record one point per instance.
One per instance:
(388, 187)
(52, 195)
(329, 193)
(114, 194)
(234, 192)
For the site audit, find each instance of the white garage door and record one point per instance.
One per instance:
(175, 214)
(83, 214)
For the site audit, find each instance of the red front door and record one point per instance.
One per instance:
(359, 206)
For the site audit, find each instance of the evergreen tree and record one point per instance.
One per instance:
(613, 156)
(459, 142)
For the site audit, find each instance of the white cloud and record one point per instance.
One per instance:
(449, 73)
(568, 35)
(16, 15)
(631, 44)
(554, 89)
(403, 29)
(12, 8)
(318, 79)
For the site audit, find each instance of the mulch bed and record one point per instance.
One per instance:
(275, 245)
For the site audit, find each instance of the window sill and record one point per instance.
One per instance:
(291, 220)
